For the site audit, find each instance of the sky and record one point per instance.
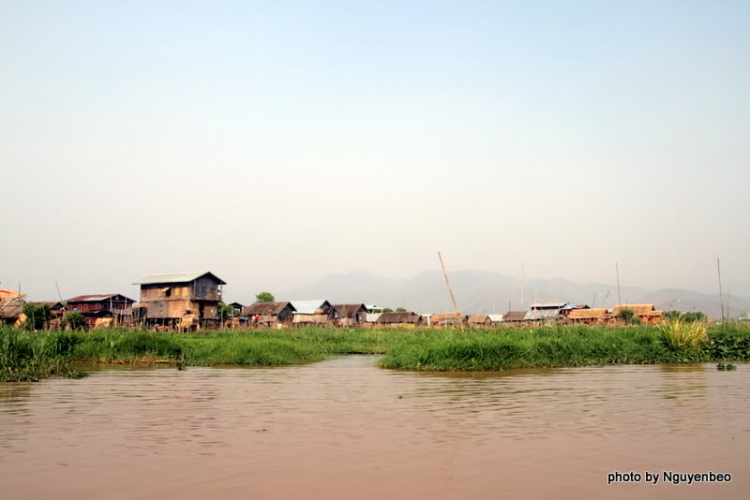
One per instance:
(276, 142)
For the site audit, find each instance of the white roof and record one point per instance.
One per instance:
(309, 306)
(175, 278)
(496, 317)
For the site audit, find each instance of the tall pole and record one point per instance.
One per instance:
(447, 283)
(619, 295)
(721, 294)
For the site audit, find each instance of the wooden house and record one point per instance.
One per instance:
(448, 319)
(185, 300)
(399, 319)
(236, 308)
(480, 321)
(312, 313)
(269, 314)
(350, 314)
(647, 313)
(100, 309)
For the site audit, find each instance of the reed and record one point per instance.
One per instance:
(679, 334)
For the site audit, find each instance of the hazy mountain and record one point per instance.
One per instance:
(685, 300)
(485, 292)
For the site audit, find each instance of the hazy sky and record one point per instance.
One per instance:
(276, 142)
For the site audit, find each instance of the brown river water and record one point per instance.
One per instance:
(344, 428)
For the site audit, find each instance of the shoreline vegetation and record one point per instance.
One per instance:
(32, 356)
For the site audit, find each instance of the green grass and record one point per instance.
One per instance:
(37, 355)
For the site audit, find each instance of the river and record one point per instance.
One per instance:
(344, 428)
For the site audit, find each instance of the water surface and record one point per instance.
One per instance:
(344, 428)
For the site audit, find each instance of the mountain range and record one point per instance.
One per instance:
(482, 292)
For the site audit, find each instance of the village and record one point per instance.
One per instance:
(193, 302)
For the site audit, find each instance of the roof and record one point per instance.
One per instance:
(497, 318)
(11, 308)
(10, 294)
(448, 317)
(479, 319)
(97, 298)
(542, 314)
(266, 308)
(515, 316)
(236, 304)
(309, 306)
(588, 313)
(349, 310)
(188, 277)
(638, 309)
(399, 317)
(552, 305)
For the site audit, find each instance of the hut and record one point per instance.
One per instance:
(350, 314)
(496, 318)
(646, 313)
(101, 309)
(312, 312)
(269, 314)
(400, 319)
(448, 319)
(480, 321)
(236, 309)
(185, 300)
(589, 316)
(515, 317)
(11, 311)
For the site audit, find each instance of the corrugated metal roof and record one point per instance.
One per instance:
(96, 298)
(542, 314)
(497, 318)
(309, 306)
(175, 278)
(552, 305)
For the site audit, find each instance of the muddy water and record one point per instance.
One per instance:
(347, 429)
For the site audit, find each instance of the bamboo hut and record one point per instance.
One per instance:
(589, 316)
(647, 313)
(400, 319)
(480, 321)
(447, 319)
(269, 314)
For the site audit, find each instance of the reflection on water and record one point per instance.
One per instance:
(347, 429)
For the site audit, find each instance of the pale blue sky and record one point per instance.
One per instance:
(275, 142)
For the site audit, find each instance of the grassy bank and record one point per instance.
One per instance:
(501, 349)
(36, 355)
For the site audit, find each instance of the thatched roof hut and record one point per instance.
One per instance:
(10, 309)
(480, 320)
(644, 312)
(514, 317)
(447, 319)
(268, 309)
(399, 318)
(589, 315)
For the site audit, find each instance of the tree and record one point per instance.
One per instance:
(265, 297)
(224, 311)
(627, 315)
(74, 320)
(37, 316)
(400, 310)
(387, 310)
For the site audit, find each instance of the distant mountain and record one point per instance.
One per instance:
(684, 300)
(485, 292)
